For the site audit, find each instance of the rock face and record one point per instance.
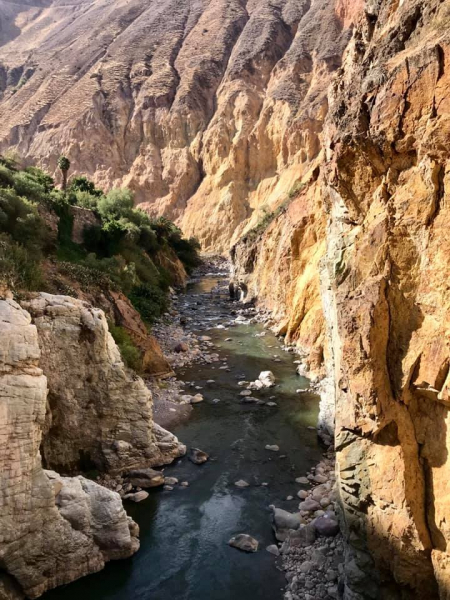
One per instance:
(211, 111)
(386, 297)
(100, 414)
(52, 529)
(377, 233)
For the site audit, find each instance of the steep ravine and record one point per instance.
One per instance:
(185, 530)
(313, 139)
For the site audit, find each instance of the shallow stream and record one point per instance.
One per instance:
(184, 551)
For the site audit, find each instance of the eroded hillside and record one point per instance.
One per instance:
(211, 115)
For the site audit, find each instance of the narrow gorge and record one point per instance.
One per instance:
(224, 306)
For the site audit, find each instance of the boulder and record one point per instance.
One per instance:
(267, 378)
(137, 497)
(255, 385)
(196, 399)
(299, 538)
(326, 526)
(244, 542)
(309, 505)
(145, 478)
(285, 520)
(302, 480)
(181, 347)
(241, 483)
(198, 457)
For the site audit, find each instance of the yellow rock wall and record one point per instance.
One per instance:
(386, 297)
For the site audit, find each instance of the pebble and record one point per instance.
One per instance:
(272, 448)
(273, 549)
(303, 480)
(170, 480)
(241, 483)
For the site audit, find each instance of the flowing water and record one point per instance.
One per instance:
(184, 533)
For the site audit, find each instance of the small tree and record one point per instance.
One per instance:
(64, 165)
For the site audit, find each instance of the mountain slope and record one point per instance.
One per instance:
(208, 115)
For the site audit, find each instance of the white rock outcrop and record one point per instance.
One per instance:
(100, 413)
(52, 529)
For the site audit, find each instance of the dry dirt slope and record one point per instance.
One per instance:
(209, 109)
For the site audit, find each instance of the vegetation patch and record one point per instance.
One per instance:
(269, 217)
(131, 355)
(119, 252)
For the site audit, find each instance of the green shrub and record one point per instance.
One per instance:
(296, 189)
(20, 219)
(6, 176)
(28, 187)
(88, 278)
(163, 228)
(19, 268)
(131, 355)
(149, 301)
(41, 177)
(10, 159)
(79, 183)
(85, 199)
(116, 204)
(186, 250)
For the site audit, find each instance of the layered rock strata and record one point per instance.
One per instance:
(99, 413)
(52, 529)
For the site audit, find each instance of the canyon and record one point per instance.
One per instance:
(309, 139)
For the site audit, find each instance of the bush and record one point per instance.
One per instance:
(296, 189)
(28, 187)
(84, 199)
(10, 159)
(149, 301)
(20, 219)
(6, 176)
(80, 183)
(163, 228)
(186, 250)
(116, 204)
(131, 355)
(19, 268)
(41, 177)
(88, 278)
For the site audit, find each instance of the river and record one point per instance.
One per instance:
(184, 552)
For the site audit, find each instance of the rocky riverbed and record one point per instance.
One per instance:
(312, 548)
